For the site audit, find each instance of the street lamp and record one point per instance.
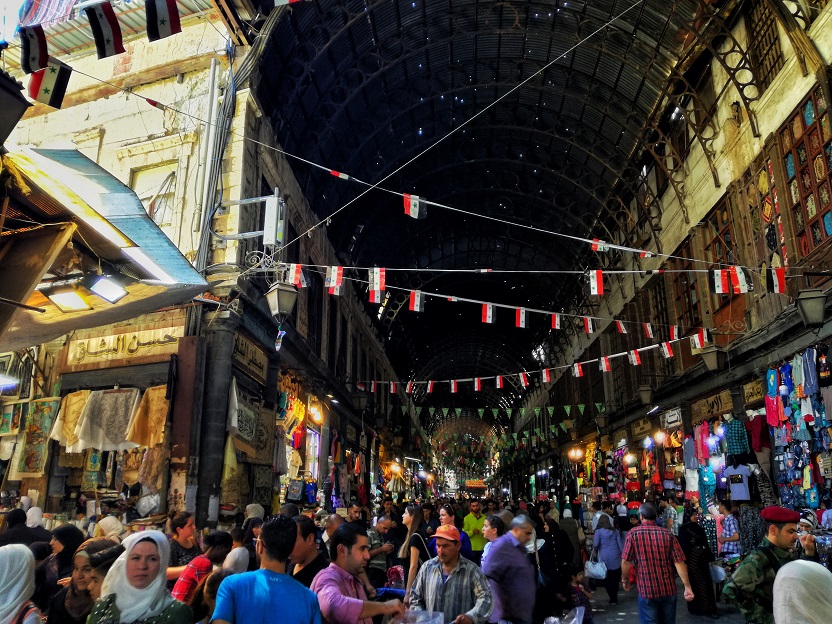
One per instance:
(714, 357)
(281, 298)
(645, 393)
(811, 305)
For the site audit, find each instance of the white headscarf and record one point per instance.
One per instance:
(567, 513)
(25, 502)
(111, 528)
(34, 517)
(255, 511)
(17, 579)
(139, 604)
(802, 593)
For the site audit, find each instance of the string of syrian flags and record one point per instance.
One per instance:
(50, 78)
(698, 340)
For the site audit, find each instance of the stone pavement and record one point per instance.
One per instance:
(627, 610)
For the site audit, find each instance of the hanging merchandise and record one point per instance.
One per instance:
(147, 427)
(38, 416)
(105, 419)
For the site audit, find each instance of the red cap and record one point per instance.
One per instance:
(780, 515)
(448, 532)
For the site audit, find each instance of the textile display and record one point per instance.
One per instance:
(39, 415)
(147, 428)
(131, 462)
(14, 463)
(106, 417)
(10, 418)
(263, 481)
(72, 405)
(152, 470)
(70, 460)
(263, 439)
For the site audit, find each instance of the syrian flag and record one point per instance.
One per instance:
(477, 384)
(556, 321)
(393, 387)
(375, 296)
(648, 330)
(622, 329)
(520, 317)
(524, 380)
(546, 377)
(739, 282)
(698, 340)
(453, 299)
(409, 388)
(498, 382)
(338, 174)
(48, 86)
(453, 386)
(284, 2)
(334, 279)
(645, 254)
(722, 285)
(373, 387)
(675, 334)
(599, 245)
(588, 325)
(416, 301)
(667, 350)
(487, 313)
(604, 364)
(105, 30)
(775, 279)
(162, 19)
(634, 357)
(577, 370)
(360, 386)
(413, 207)
(378, 277)
(596, 282)
(430, 387)
(294, 274)
(33, 54)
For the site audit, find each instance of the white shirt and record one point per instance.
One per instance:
(621, 510)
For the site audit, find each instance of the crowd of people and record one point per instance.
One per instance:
(474, 561)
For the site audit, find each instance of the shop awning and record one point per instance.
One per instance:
(60, 196)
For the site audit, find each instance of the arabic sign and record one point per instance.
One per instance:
(753, 392)
(137, 344)
(712, 406)
(475, 483)
(250, 358)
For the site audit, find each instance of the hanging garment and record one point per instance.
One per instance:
(72, 405)
(736, 437)
(105, 418)
(758, 433)
(281, 462)
(344, 481)
(295, 462)
(810, 372)
(773, 407)
(153, 466)
(147, 427)
(311, 492)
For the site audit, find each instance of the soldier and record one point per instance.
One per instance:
(751, 587)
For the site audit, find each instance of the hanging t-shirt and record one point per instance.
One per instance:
(810, 372)
(772, 382)
(736, 437)
(691, 462)
(758, 432)
(738, 482)
(786, 377)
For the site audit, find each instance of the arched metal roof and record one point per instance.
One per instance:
(364, 87)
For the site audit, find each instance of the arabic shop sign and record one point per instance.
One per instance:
(250, 358)
(127, 346)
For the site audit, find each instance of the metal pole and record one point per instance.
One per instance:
(208, 138)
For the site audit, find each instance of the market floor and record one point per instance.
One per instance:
(627, 610)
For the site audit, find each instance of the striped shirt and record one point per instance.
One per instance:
(464, 591)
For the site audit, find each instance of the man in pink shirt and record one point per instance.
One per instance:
(340, 593)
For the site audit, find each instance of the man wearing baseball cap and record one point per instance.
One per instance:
(452, 584)
(751, 587)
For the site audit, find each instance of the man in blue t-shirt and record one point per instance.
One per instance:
(269, 594)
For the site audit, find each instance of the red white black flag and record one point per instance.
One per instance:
(776, 280)
(453, 386)
(477, 384)
(416, 301)
(622, 329)
(430, 387)
(604, 364)
(334, 279)
(487, 313)
(524, 379)
(648, 330)
(414, 207)
(33, 52)
(105, 30)
(378, 278)
(499, 381)
(162, 19)
(409, 388)
(667, 350)
(596, 282)
(393, 387)
(634, 357)
(556, 321)
(675, 333)
(698, 340)
(577, 370)
(49, 85)
(520, 317)
(546, 376)
(588, 328)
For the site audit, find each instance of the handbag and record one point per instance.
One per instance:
(542, 579)
(717, 573)
(595, 569)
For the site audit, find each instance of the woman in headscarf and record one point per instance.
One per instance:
(54, 573)
(17, 582)
(111, 528)
(698, 557)
(73, 603)
(134, 590)
(34, 517)
(18, 533)
(573, 530)
(802, 593)
(555, 559)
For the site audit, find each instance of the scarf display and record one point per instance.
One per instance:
(17, 579)
(802, 593)
(134, 604)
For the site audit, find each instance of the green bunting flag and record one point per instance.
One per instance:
(551, 409)
(536, 412)
(567, 409)
(431, 410)
(481, 412)
(601, 408)
(445, 410)
(459, 411)
(581, 408)
(563, 425)
(495, 411)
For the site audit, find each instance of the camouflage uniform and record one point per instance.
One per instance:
(751, 587)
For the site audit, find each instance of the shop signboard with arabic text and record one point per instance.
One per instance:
(250, 358)
(122, 349)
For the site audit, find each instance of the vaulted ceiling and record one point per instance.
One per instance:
(513, 112)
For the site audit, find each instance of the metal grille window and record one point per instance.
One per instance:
(806, 145)
(763, 42)
(720, 244)
(685, 291)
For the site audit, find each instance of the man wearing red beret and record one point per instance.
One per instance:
(751, 587)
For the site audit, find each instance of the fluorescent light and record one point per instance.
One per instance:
(142, 259)
(106, 288)
(67, 299)
(7, 382)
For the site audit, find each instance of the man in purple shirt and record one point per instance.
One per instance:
(511, 574)
(340, 592)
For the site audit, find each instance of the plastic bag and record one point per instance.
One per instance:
(575, 616)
